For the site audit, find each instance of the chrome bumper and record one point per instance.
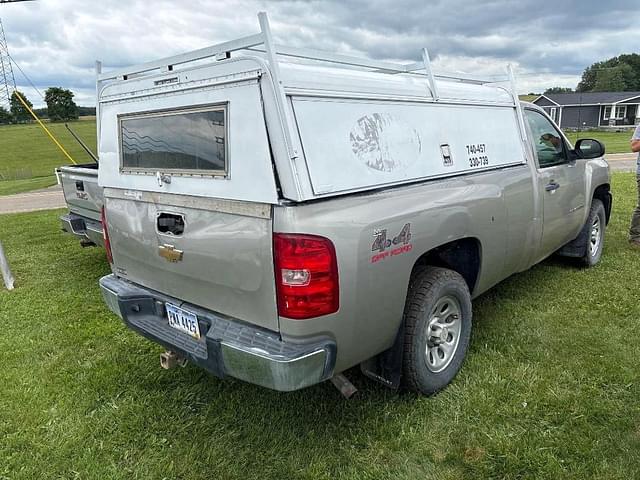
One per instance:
(83, 228)
(229, 347)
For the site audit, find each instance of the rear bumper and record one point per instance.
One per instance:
(83, 228)
(227, 346)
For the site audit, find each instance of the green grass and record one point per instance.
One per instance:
(549, 390)
(28, 156)
(9, 187)
(26, 151)
(614, 142)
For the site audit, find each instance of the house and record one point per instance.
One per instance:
(592, 109)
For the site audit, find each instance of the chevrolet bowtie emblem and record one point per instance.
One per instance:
(169, 253)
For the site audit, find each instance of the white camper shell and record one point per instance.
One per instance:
(299, 125)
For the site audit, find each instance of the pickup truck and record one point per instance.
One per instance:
(283, 221)
(84, 200)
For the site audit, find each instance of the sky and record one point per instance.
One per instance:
(56, 42)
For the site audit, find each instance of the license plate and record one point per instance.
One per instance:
(183, 320)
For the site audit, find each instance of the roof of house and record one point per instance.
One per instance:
(588, 98)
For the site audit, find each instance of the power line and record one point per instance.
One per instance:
(7, 79)
(6, 71)
(25, 76)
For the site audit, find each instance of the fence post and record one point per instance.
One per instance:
(6, 271)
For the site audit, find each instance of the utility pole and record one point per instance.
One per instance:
(7, 80)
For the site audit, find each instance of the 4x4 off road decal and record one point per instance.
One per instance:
(387, 247)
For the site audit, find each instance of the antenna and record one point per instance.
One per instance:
(7, 80)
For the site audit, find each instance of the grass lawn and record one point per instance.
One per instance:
(549, 390)
(614, 142)
(26, 151)
(9, 187)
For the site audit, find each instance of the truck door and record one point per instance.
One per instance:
(560, 182)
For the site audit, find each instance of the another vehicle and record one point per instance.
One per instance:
(282, 222)
(84, 200)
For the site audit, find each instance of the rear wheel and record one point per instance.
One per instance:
(437, 323)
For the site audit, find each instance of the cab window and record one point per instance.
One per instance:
(547, 141)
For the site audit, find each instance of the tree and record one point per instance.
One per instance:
(60, 104)
(558, 90)
(614, 79)
(633, 60)
(5, 116)
(85, 111)
(621, 73)
(589, 77)
(19, 113)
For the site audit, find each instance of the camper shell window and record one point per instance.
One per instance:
(189, 141)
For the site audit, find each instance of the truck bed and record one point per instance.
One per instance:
(84, 199)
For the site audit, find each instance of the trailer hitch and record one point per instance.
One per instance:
(169, 360)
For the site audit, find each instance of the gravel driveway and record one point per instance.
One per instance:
(45, 199)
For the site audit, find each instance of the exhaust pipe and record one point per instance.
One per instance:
(169, 360)
(342, 383)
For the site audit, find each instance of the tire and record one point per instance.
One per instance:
(437, 322)
(593, 232)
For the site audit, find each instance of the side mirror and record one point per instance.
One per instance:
(587, 148)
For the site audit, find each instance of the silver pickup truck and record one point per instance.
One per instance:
(84, 200)
(281, 222)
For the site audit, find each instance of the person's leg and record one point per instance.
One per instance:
(634, 231)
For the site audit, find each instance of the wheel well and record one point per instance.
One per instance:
(462, 256)
(603, 193)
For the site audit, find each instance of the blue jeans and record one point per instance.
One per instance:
(634, 231)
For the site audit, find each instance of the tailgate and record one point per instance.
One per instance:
(189, 184)
(215, 254)
(81, 190)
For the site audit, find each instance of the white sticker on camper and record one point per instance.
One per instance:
(349, 145)
(384, 143)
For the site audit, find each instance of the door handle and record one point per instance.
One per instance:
(552, 186)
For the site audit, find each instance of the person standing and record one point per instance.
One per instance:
(634, 231)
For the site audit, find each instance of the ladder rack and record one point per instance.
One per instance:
(263, 42)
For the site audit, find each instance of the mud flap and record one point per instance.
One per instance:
(386, 367)
(577, 247)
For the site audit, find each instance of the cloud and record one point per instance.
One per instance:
(550, 43)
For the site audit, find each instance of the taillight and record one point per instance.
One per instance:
(105, 235)
(306, 275)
